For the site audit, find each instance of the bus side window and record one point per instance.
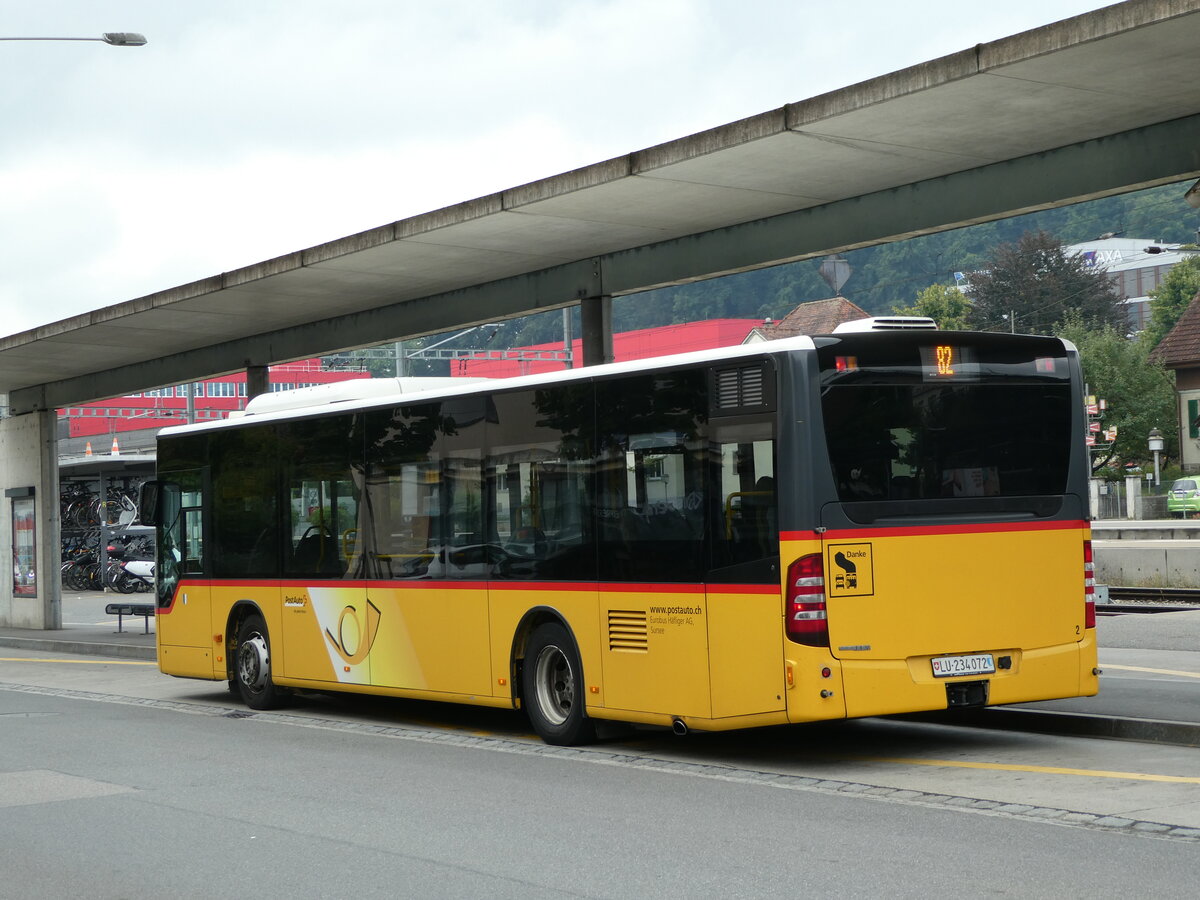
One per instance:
(192, 551)
(539, 467)
(746, 528)
(401, 520)
(652, 495)
(245, 520)
(322, 497)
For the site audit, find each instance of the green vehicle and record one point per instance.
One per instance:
(1184, 497)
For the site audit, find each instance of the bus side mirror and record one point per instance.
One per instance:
(150, 503)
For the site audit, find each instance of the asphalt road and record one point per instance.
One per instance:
(116, 781)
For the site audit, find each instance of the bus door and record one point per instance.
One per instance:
(427, 554)
(184, 626)
(650, 521)
(329, 625)
(743, 596)
(689, 533)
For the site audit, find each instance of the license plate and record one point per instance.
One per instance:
(975, 664)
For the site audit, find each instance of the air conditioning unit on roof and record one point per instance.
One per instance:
(888, 323)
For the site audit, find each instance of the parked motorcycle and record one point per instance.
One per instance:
(131, 566)
(136, 575)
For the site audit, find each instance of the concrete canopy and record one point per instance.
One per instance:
(1096, 105)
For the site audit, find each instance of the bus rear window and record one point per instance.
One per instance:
(932, 441)
(917, 421)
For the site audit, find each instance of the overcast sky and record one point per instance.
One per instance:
(246, 129)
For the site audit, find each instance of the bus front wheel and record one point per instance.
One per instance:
(252, 666)
(552, 687)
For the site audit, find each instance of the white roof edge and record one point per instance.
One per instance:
(349, 391)
(803, 342)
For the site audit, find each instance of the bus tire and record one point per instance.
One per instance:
(252, 666)
(552, 687)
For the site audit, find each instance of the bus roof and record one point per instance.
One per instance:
(373, 397)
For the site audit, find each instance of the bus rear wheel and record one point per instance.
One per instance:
(552, 687)
(252, 666)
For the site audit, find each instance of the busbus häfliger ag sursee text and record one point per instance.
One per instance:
(848, 525)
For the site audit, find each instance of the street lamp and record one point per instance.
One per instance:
(116, 38)
(1156, 446)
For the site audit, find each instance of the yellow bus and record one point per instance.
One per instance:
(857, 524)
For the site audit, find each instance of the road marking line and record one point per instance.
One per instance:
(81, 662)
(1151, 671)
(1046, 770)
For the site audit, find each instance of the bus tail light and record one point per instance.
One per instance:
(807, 620)
(1089, 587)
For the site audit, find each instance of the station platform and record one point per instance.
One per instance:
(1150, 689)
(1151, 552)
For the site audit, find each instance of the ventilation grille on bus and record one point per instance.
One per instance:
(627, 630)
(742, 389)
(888, 323)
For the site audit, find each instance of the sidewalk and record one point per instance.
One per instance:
(89, 631)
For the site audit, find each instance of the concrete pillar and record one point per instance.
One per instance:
(1133, 496)
(258, 381)
(29, 477)
(596, 324)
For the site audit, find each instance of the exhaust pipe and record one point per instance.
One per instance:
(679, 727)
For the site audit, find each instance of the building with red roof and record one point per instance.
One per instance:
(213, 398)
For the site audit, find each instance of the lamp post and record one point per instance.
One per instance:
(115, 38)
(1156, 446)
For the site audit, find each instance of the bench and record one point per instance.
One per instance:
(120, 610)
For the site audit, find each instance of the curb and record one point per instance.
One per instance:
(84, 648)
(1148, 731)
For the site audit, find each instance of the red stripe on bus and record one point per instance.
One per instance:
(642, 588)
(743, 589)
(443, 585)
(319, 582)
(428, 585)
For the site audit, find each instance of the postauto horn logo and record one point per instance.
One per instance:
(355, 637)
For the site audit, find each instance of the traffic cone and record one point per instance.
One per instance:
(88, 450)
(116, 450)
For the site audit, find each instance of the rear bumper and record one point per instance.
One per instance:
(885, 687)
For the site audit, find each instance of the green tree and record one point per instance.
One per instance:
(1171, 298)
(1033, 285)
(1140, 393)
(948, 306)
